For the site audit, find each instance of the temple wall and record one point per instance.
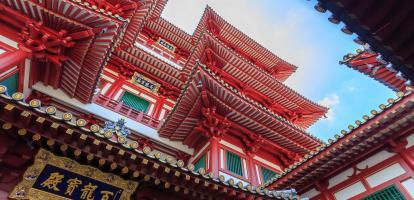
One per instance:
(379, 172)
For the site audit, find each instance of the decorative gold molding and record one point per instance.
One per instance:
(26, 190)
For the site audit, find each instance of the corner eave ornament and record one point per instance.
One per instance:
(117, 127)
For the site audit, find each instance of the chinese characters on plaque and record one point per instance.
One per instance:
(147, 83)
(53, 177)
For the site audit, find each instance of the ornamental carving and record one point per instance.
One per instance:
(54, 177)
(211, 125)
(45, 45)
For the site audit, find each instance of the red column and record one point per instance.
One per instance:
(254, 180)
(407, 158)
(214, 155)
(10, 59)
(322, 187)
(158, 107)
(115, 87)
(399, 147)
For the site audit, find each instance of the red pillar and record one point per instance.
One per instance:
(158, 107)
(407, 158)
(214, 155)
(322, 187)
(115, 87)
(254, 180)
(399, 147)
(10, 59)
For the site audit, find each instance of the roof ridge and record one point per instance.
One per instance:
(205, 68)
(273, 78)
(126, 143)
(254, 41)
(337, 138)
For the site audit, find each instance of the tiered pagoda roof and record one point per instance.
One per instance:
(62, 133)
(237, 66)
(370, 64)
(93, 31)
(366, 136)
(204, 89)
(243, 44)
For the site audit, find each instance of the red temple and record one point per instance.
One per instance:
(108, 100)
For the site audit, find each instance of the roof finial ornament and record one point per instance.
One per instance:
(117, 127)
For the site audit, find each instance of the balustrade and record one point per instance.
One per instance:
(125, 110)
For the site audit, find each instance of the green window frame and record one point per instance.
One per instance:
(135, 102)
(201, 163)
(267, 174)
(11, 82)
(234, 163)
(387, 193)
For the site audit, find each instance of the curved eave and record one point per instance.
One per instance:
(81, 71)
(151, 65)
(237, 38)
(390, 121)
(375, 22)
(367, 64)
(186, 113)
(266, 84)
(171, 32)
(46, 125)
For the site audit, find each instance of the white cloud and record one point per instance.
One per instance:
(330, 101)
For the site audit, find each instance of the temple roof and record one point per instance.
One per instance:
(94, 34)
(236, 107)
(377, 23)
(369, 64)
(363, 138)
(62, 133)
(233, 37)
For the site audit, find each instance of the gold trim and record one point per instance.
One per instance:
(25, 190)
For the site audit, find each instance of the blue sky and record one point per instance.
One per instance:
(299, 34)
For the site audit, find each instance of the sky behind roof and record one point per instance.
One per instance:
(297, 33)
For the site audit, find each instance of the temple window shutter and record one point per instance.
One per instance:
(201, 163)
(387, 193)
(135, 102)
(267, 174)
(11, 83)
(234, 163)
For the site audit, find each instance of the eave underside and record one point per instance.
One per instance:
(385, 25)
(228, 103)
(393, 122)
(367, 63)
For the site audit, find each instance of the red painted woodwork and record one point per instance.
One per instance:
(10, 59)
(251, 168)
(126, 111)
(367, 63)
(115, 87)
(214, 155)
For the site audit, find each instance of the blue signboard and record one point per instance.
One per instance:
(74, 186)
(60, 178)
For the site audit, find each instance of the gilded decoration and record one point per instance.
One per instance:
(145, 82)
(61, 178)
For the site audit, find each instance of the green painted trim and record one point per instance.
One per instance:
(388, 193)
(135, 102)
(234, 163)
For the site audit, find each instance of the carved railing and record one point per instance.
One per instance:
(125, 110)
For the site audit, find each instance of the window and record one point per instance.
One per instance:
(201, 163)
(11, 83)
(387, 193)
(267, 174)
(135, 102)
(234, 163)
